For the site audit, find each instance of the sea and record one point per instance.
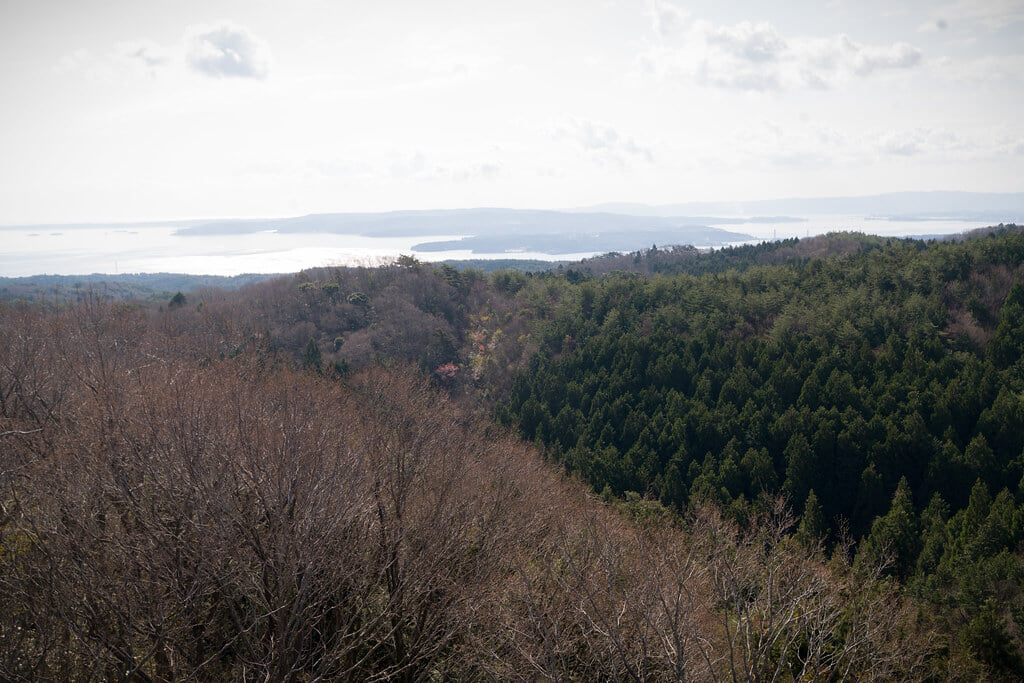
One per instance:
(83, 250)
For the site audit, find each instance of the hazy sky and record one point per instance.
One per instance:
(139, 109)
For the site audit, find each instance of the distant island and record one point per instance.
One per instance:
(569, 243)
(197, 245)
(501, 230)
(480, 223)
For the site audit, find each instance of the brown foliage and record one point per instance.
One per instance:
(607, 600)
(165, 515)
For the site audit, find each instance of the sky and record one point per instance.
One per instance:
(130, 110)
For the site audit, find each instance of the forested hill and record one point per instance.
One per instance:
(874, 385)
(146, 286)
(880, 391)
(841, 376)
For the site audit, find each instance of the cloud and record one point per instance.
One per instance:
(142, 56)
(992, 69)
(601, 141)
(933, 26)
(223, 50)
(667, 19)
(124, 61)
(918, 141)
(145, 52)
(902, 144)
(74, 61)
(226, 51)
(991, 14)
(727, 74)
(866, 59)
(482, 171)
(769, 145)
(747, 41)
(755, 57)
(417, 166)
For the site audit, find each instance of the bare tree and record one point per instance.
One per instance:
(169, 514)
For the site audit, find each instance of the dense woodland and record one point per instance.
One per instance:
(797, 460)
(137, 286)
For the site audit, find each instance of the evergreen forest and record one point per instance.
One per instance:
(798, 460)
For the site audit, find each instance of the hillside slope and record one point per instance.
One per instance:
(168, 516)
(874, 386)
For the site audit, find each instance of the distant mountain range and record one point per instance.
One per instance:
(904, 206)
